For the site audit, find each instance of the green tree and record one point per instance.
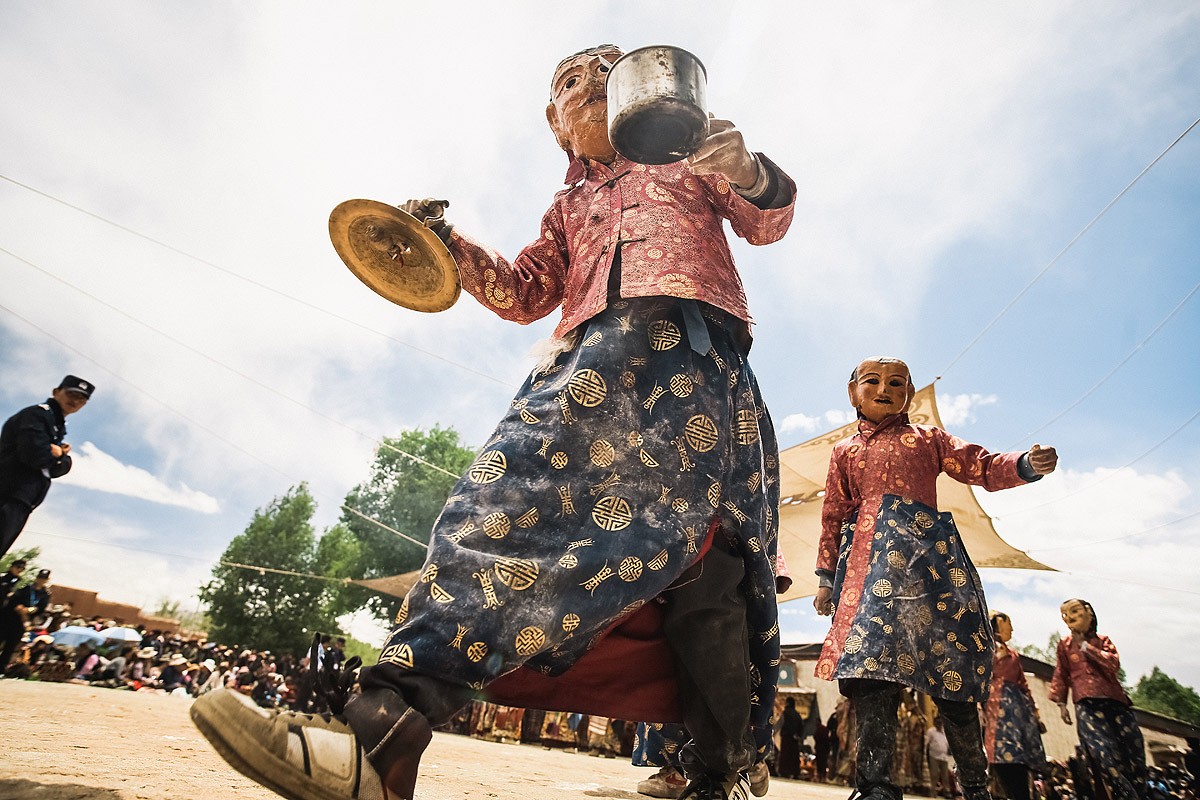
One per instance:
(1048, 654)
(407, 496)
(267, 609)
(1162, 694)
(188, 620)
(30, 555)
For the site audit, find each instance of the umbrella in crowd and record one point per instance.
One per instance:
(75, 635)
(121, 635)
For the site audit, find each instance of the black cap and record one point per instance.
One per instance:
(76, 384)
(43, 573)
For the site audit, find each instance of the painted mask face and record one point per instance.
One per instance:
(881, 389)
(1003, 629)
(578, 110)
(1077, 617)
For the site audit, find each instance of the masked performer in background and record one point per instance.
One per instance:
(1012, 732)
(907, 605)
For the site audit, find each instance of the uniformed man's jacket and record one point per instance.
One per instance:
(26, 464)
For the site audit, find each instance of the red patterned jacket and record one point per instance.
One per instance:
(1087, 673)
(667, 224)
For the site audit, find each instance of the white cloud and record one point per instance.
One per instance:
(92, 468)
(959, 409)
(833, 418)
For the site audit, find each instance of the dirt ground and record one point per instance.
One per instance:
(69, 742)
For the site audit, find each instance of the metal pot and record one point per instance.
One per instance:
(656, 104)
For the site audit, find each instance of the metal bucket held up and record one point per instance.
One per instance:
(656, 105)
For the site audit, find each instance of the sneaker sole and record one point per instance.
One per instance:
(209, 719)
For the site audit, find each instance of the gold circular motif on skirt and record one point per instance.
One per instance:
(938, 649)
(529, 640)
(941, 547)
(612, 513)
(587, 387)
(664, 334)
(489, 467)
(958, 576)
(517, 574)
(754, 544)
(882, 588)
(634, 439)
(679, 504)
(895, 559)
(558, 460)
(477, 651)
(628, 379)
(746, 427)
(907, 663)
(602, 453)
(681, 385)
(853, 644)
(952, 680)
(701, 433)
(630, 569)
(568, 561)
(871, 664)
(714, 495)
(430, 574)
(496, 525)
(923, 520)
(570, 623)
(941, 605)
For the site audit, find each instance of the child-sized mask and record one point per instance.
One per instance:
(1077, 616)
(578, 110)
(881, 387)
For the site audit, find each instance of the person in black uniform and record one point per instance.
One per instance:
(22, 605)
(32, 451)
(10, 579)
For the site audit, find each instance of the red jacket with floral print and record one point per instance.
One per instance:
(667, 224)
(896, 457)
(1090, 672)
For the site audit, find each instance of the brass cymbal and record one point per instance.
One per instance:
(395, 255)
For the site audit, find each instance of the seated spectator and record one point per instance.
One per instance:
(86, 661)
(171, 677)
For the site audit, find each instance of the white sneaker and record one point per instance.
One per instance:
(300, 756)
(667, 782)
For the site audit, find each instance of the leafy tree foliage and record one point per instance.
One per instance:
(1048, 654)
(1162, 694)
(266, 609)
(30, 555)
(404, 495)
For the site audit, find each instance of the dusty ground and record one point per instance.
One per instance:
(68, 742)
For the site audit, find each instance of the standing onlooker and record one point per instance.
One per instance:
(790, 732)
(937, 750)
(10, 579)
(30, 599)
(32, 451)
(822, 740)
(1086, 666)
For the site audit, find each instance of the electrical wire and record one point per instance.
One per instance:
(200, 425)
(1121, 538)
(1114, 370)
(251, 281)
(223, 365)
(1108, 475)
(1063, 252)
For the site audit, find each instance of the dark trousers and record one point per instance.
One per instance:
(875, 705)
(1015, 780)
(704, 619)
(12, 630)
(13, 515)
(1110, 734)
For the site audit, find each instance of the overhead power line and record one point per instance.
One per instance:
(202, 426)
(223, 365)
(1121, 538)
(1063, 252)
(251, 281)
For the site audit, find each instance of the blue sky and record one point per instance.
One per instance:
(945, 154)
